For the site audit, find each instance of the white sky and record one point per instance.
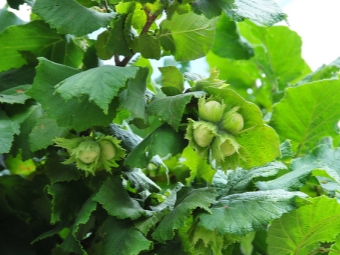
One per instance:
(316, 21)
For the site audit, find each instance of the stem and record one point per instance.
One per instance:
(150, 19)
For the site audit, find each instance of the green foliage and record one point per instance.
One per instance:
(102, 157)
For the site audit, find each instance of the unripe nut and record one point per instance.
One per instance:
(88, 151)
(203, 136)
(210, 111)
(227, 148)
(108, 150)
(233, 122)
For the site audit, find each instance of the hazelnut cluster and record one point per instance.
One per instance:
(216, 129)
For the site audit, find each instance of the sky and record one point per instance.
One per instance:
(315, 21)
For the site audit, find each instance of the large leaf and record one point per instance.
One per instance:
(162, 142)
(308, 113)
(68, 199)
(43, 133)
(240, 214)
(188, 36)
(171, 108)
(84, 114)
(266, 12)
(228, 43)
(25, 116)
(116, 201)
(188, 199)
(7, 132)
(303, 230)
(321, 162)
(60, 14)
(238, 181)
(258, 146)
(101, 84)
(35, 37)
(121, 237)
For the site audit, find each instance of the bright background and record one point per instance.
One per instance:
(317, 22)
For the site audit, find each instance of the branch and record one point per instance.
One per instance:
(150, 19)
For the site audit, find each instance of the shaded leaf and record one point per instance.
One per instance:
(170, 109)
(59, 14)
(188, 36)
(162, 141)
(121, 237)
(116, 201)
(140, 181)
(303, 230)
(43, 133)
(188, 199)
(149, 46)
(129, 139)
(240, 214)
(133, 97)
(68, 198)
(7, 132)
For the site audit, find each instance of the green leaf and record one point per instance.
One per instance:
(83, 216)
(240, 214)
(15, 95)
(162, 141)
(188, 36)
(72, 245)
(101, 84)
(228, 43)
(303, 230)
(84, 114)
(120, 237)
(258, 146)
(321, 162)
(16, 3)
(7, 132)
(16, 77)
(172, 80)
(116, 201)
(263, 11)
(59, 14)
(170, 109)
(199, 167)
(58, 172)
(238, 181)
(266, 12)
(25, 116)
(149, 46)
(323, 72)
(133, 97)
(43, 133)
(68, 198)
(8, 18)
(117, 42)
(188, 199)
(35, 37)
(308, 113)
